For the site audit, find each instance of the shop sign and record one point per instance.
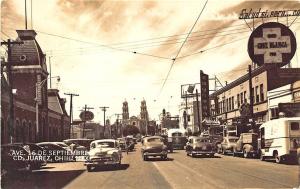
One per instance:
(272, 43)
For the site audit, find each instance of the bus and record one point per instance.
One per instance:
(178, 138)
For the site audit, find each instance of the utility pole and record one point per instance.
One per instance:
(50, 71)
(85, 109)
(10, 87)
(251, 95)
(71, 110)
(103, 108)
(198, 112)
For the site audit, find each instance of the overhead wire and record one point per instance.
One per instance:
(162, 44)
(174, 59)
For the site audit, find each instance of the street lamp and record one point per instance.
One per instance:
(37, 102)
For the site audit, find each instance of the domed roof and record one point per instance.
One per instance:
(29, 53)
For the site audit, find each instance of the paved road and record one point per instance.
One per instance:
(179, 171)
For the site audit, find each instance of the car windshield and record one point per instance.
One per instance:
(154, 140)
(233, 139)
(106, 144)
(177, 134)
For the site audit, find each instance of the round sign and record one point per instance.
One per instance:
(86, 116)
(272, 43)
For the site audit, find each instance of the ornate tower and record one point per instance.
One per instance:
(125, 111)
(144, 111)
(29, 77)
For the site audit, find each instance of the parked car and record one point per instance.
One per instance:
(36, 160)
(246, 145)
(227, 144)
(200, 146)
(81, 143)
(103, 152)
(154, 146)
(14, 158)
(56, 153)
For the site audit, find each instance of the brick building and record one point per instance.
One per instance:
(34, 121)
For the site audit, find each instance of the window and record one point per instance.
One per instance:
(232, 103)
(238, 100)
(252, 93)
(256, 94)
(261, 92)
(227, 105)
(242, 98)
(294, 126)
(229, 101)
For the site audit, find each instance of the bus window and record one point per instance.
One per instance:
(294, 126)
(262, 137)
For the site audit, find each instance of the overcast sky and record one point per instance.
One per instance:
(91, 44)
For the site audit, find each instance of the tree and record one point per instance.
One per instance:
(130, 130)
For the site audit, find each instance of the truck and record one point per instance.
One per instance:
(246, 145)
(279, 139)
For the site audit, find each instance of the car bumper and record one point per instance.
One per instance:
(203, 152)
(155, 153)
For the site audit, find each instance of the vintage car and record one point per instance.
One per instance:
(81, 144)
(246, 145)
(228, 144)
(14, 158)
(154, 146)
(200, 146)
(56, 153)
(103, 152)
(36, 160)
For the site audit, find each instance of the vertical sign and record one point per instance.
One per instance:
(204, 83)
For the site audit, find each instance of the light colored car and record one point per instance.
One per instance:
(228, 144)
(154, 146)
(103, 152)
(199, 146)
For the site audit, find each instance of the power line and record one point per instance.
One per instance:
(164, 42)
(202, 51)
(106, 46)
(174, 59)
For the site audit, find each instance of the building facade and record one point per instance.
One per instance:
(30, 101)
(227, 103)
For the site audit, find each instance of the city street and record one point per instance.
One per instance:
(179, 171)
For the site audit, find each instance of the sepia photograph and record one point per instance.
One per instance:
(150, 94)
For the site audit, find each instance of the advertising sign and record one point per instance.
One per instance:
(290, 109)
(86, 116)
(204, 83)
(272, 43)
